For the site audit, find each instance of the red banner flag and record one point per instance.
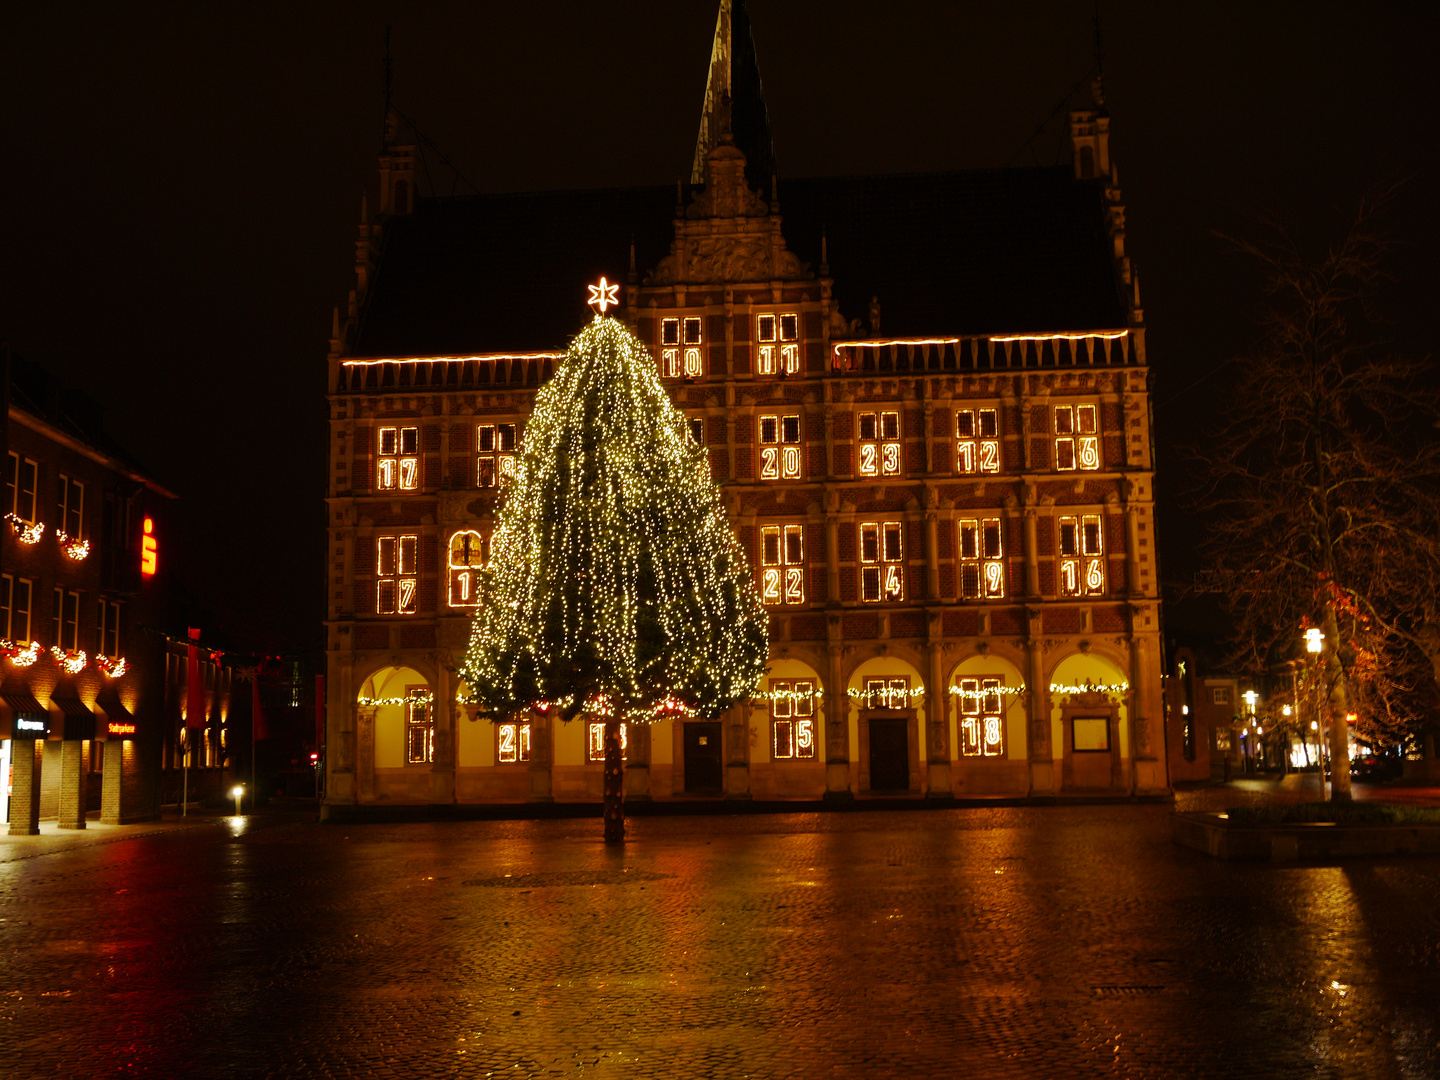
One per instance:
(194, 685)
(320, 713)
(261, 730)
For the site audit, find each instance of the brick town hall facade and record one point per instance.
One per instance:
(926, 400)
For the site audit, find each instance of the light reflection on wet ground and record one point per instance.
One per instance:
(1038, 942)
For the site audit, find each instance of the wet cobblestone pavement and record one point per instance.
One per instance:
(1069, 941)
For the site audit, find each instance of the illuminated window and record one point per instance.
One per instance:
(982, 571)
(697, 430)
(1077, 444)
(882, 570)
(880, 444)
(595, 744)
(20, 473)
(419, 727)
(70, 507)
(15, 611)
(512, 742)
(469, 551)
(792, 718)
(779, 340)
(65, 619)
(888, 693)
(395, 561)
(495, 460)
(977, 441)
(1220, 695)
(398, 461)
(780, 447)
(680, 341)
(1082, 562)
(107, 628)
(782, 564)
(982, 727)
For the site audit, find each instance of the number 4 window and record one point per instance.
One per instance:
(882, 568)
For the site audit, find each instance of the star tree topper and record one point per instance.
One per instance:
(603, 295)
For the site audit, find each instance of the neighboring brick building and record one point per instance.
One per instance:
(1206, 710)
(83, 684)
(926, 397)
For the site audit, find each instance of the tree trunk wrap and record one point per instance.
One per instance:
(614, 784)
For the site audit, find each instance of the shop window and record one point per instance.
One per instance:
(780, 447)
(395, 574)
(469, 553)
(782, 564)
(882, 569)
(982, 725)
(977, 441)
(512, 742)
(419, 727)
(1077, 439)
(892, 692)
(982, 569)
(792, 718)
(398, 462)
(880, 444)
(1082, 562)
(495, 454)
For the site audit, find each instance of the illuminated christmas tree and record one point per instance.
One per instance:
(616, 589)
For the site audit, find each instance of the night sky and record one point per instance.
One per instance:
(181, 185)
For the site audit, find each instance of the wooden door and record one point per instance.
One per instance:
(704, 766)
(889, 754)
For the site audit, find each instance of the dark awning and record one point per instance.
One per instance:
(70, 706)
(114, 708)
(23, 706)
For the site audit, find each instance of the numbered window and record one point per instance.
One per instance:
(680, 344)
(15, 596)
(20, 474)
(398, 462)
(107, 628)
(782, 564)
(65, 619)
(882, 568)
(1077, 438)
(880, 444)
(512, 742)
(697, 430)
(70, 508)
(778, 344)
(977, 441)
(595, 743)
(395, 574)
(982, 723)
(780, 447)
(792, 718)
(982, 566)
(419, 727)
(1082, 557)
(469, 553)
(495, 446)
(892, 692)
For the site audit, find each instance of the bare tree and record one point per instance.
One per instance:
(1321, 491)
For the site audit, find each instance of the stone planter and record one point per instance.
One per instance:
(1213, 834)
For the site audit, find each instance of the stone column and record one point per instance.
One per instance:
(1147, 770)
(1042, 765)
(1032, 553)
(837, 724)
(71, 812)
(832, 545)
(542, 756)
(932, 551)
(25, 787)
(365, 753)
(442, 715)
(937, 716)
(736, 725)
(1132, 552)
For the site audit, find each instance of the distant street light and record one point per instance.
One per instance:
(1314, 640)
(237, 793)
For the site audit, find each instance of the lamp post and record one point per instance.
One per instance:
(237, 793)
(1315, 645)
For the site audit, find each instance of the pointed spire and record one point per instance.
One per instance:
(733, 87)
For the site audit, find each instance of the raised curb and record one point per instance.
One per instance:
(1212, 834)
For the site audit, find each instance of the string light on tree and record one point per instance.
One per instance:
(615, 576)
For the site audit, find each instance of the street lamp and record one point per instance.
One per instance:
(1315, 645)
(237, 793)
(1314, 640)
